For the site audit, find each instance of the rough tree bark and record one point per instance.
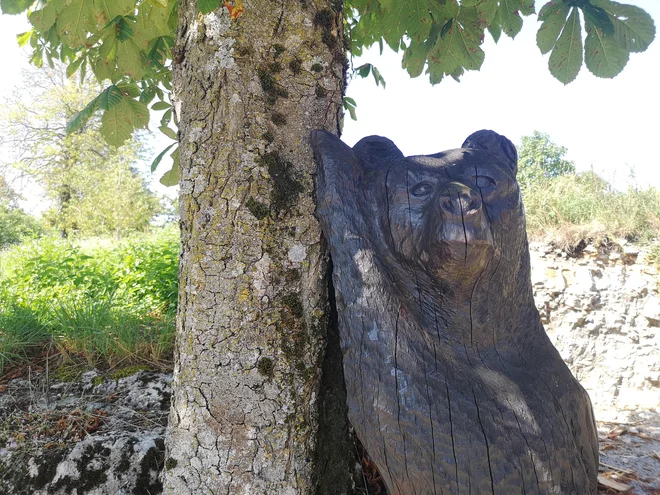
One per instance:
(249, 87)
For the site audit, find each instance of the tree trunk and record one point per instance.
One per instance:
(253, 310)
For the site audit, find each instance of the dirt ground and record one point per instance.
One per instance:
(630, 454)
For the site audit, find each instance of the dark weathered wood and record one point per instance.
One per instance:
(453, 386)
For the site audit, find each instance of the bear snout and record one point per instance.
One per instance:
(458, 199)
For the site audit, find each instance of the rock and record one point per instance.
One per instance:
(95, 436)
(651, 312)
(603, 317)
(630, 254)
(104, 464)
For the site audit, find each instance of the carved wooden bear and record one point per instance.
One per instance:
(453, 386)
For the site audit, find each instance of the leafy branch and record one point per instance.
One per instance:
(128, 44)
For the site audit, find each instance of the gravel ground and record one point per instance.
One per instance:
(630, 453)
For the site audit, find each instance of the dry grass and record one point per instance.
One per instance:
(574, 207)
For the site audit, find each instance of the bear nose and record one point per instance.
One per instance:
(458, 199)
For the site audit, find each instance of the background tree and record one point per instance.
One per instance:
(539, 157)
(15, 224)
(94, 188)
(8, 195)
(250, 403)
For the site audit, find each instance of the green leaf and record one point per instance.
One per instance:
(599, 18)
(110, 97)
(509, 17)
(566, 57)
(49, 57)
(487, 10)
(101, 69)
(207, 6)
(23, 38)
(167, 117)
(105, 63)
(45, 18)
(73, 67)
(363, 70)
(54, 39)
(414, 57)
(171, 177)
(120, 120)
(168, 132)
(129, 89)
(159, 51)
(160, 156)
(110, 9)
(152, 23)
(634, 29)
(83, 70)
(553, 14)
(527, 7)
(130, 60)
(82, 117)
(602, 55)
(75, 21)
(148, 94)
(377, 76)
(458, 49)
(446, 28)
(37, 58)
(15, 6)
(139, 114)
(495, 31)
(349, 105)
(161, 105)
(123, 28)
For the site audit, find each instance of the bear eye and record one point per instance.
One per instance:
(483, 181)
(422, 189)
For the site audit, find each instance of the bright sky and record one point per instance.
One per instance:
(610, 125)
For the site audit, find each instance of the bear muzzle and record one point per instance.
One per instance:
(460, 200)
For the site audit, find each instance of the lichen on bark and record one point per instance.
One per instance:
(244, 414)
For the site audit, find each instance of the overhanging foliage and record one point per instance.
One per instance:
(128, 43)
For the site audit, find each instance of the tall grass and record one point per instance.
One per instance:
(21, 333)
(106, 302)
(574, 207)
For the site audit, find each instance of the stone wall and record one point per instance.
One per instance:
(601, 309)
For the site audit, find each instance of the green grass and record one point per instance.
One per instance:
(574, 207)
(21, 333)
(106, 302)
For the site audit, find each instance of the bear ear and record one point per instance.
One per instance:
(496, 144)
(375, 150)
(329, 149)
